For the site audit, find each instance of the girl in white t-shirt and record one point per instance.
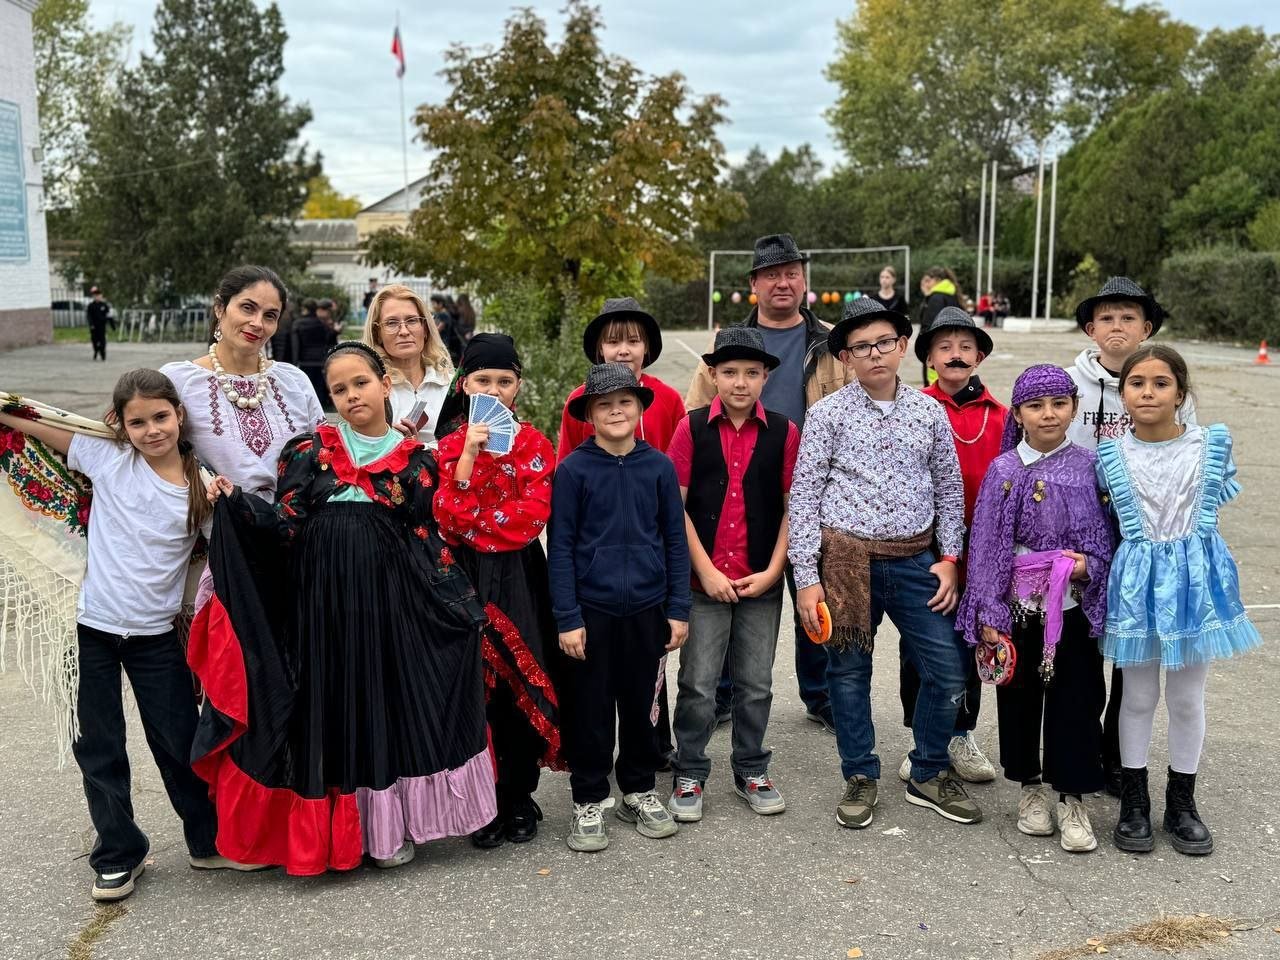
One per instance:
(149, 506)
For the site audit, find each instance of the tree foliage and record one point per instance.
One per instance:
(563, 165)
(324, 202)
(196, 165)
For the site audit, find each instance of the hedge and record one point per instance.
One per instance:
(1222, 294)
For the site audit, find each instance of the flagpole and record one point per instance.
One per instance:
(404, 135)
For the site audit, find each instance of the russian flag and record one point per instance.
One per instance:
(397, 51)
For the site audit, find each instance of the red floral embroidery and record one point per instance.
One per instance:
(304, 446)
(286, 503)
(446, 558)
(325, 456)
(82, 511)
(420, 532)
(424, 477)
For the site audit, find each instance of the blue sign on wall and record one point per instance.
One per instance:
(15, 246)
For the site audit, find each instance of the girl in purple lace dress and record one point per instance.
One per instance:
(1042, 546)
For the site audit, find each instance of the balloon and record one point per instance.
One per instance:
(752, 299)
(835, 296)
(850, 297)
(826, 298)
(811, 297)
(736, 297)
(715, 297)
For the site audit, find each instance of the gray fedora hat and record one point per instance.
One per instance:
(606, 378)
(622, 308)
(951, 318)
(859, 313)
(740, 343)
(775, 250)
(1121, 288)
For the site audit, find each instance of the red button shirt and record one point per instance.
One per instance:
(737, 446)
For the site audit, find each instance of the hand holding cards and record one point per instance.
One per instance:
(502, 425)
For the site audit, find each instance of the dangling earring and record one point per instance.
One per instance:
(217, 334)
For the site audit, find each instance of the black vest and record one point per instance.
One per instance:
(761, 485)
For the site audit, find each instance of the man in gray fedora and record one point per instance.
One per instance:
(806, 373)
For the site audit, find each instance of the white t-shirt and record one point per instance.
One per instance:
(139, 548)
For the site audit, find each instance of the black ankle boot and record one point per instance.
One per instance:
(1133, 830)
(522, 824)
(1186, 830)
(492, 834)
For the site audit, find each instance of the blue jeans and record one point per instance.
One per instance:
(747, 631)
(901, 588)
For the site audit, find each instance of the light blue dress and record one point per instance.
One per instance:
(1173, 596)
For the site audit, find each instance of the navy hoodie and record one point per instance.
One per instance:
(616, 541)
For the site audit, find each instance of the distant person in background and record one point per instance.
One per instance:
(1001, 308)
(368, 298)
(99, 315)
(888, 294)
(282, 339)
(940, 289)
(987, 308)
(326, 311)
(446, 326)
(311, 340)
(466, 322)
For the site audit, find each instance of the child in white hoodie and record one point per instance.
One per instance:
(1117, 320)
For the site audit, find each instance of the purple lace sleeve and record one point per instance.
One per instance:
(990, 556)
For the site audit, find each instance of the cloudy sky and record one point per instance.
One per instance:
(766, 60)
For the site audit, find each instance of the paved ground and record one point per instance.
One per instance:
(736, 885)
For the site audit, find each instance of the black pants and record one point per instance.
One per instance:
(1111, 722)
(516, 744)
(162, 687)
(316, 376)
(1067, 709)
(98, 337)
(909, 689)
(618, 678)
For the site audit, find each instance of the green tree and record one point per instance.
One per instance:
(196, 166)
(563, 165)
(326, 203)
(76, 71)
(778, 196)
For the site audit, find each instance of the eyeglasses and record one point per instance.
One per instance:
(861, 350)
(408, 323)
(773, 276)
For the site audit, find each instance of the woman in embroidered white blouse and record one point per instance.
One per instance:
(241, 407)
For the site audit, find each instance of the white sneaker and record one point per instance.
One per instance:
(402, 856)
(1035, 817)
(968, 760)
(904, 769)
(1077, 831)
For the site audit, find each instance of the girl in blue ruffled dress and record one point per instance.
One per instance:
(1173, 595)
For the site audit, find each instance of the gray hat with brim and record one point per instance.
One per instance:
(951, 318)
(606, 378)
(775, 250)
(859, 313)
(1121, 289)
(740, 343)
(622, 309)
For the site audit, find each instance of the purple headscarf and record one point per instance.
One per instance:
(1042, 380)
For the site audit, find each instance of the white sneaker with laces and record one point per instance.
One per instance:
(904, 769)
(648, 813)
(587, 833)
(1077, 831)
(968, 760)
(686, 800)
(1035, 816)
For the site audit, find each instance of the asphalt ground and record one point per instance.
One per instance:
(735, 885)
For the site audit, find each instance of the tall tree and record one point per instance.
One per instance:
(196, 166)
(561, 165)
(76, 71)
(324, 202)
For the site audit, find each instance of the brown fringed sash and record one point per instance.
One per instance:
(845, 568)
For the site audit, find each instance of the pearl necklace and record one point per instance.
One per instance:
(985, 416)
(224, 381)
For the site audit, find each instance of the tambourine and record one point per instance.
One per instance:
(824, 624)
(996, 661)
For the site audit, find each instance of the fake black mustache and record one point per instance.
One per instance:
(958, 364)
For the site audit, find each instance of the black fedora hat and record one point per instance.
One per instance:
(1121, 288)
(859, 313)
(951, 318)
(606, 378)
(775, 250)
(740, 343)
(622, 308)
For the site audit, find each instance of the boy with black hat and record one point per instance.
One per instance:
(876, 484)
(1117, 320)
(734, 461)
(619, 567)
(953, 346)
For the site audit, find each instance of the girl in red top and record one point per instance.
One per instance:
(624, 333)
(491, 510)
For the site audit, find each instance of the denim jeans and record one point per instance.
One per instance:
(748, 631)
(162, 687)
(901, 588)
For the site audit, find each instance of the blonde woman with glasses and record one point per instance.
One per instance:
(400, 329)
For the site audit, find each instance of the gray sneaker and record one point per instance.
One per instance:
(587, 833)
(646, 811)
(857, 807)
(686, 800)
(945, 795)
(760, 793)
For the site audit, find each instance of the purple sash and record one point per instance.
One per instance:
(1041, 580)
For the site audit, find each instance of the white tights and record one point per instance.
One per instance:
(1184, 699)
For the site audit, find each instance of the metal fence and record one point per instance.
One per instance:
(142, 325)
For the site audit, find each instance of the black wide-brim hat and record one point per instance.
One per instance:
(775, 250)
(740, 343)
(1121, 288)
(859, 313)
(622, 308)
(605, 378)
(951, 318)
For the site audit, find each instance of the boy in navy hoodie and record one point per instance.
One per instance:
(619, 565)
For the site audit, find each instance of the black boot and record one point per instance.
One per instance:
(522, 824)
(1133, 829)
(1111, 774)
(492, 834)
(1186, 830)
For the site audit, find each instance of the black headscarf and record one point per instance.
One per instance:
(485, 351)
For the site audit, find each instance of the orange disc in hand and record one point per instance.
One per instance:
(824, 624)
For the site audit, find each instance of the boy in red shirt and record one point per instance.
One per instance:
(954, 346)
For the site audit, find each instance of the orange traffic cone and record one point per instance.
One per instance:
(1262, 358)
